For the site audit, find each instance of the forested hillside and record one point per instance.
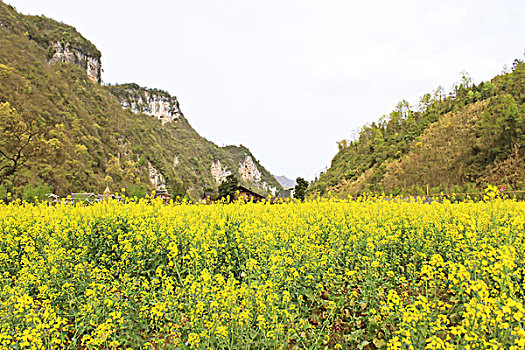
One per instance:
(452, 142)
(63, 132)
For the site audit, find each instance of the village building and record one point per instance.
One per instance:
(248, 194)
(163, 193)
(286, 193)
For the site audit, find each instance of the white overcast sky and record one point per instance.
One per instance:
(290, 78)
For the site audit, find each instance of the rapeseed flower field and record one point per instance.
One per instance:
(324, 274)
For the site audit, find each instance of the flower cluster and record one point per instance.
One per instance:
(325, 273)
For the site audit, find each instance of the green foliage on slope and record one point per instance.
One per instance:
(193, 154)
(454, 142)
(45, 31)
(228, 188)
(82, 139)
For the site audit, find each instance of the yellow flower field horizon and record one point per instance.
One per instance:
(325, 273)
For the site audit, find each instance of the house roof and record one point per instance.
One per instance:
(81, 195)
(250, 191)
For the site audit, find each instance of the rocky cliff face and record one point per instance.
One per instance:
(156, 178)
(191, 150)
(249, 172)
(153, 102)
(218, 172)
(180, 160)
(60, 42)
(64, 52)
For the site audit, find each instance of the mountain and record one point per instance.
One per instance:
(65, 132)
(285, 182)
(452, 143)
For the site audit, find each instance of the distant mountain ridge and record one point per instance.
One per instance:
(285, 182)
(458, 142)
(82, 136)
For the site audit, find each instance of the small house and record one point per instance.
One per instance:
(86, 198)
(249, 194)
(287, 192)
(163, 194)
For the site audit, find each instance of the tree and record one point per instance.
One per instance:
(18, 140)
(466, 80)
(178, 188)
(300, 188)
(228, 188)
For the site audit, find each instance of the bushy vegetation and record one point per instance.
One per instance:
(454, 142)
(81, 140)
(46, 32)
(316, 274)
(74, 143)
(228, 188)
(300, 188)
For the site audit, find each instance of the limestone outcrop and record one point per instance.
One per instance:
(156, 178)
(219, 172)
(249, 172)
(65, 52)
(153, 102)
